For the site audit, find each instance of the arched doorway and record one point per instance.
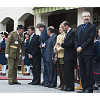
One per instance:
(28, 19)
(8, 23)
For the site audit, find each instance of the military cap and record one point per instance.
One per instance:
(21, 27)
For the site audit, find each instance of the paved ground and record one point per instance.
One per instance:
(25, 88)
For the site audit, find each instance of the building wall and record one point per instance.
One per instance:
(14, 13)
(18, 15)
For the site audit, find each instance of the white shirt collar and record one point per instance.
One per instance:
(51, 34)
(68, 30)
(95, 41)
(32, 35)
(17, 33)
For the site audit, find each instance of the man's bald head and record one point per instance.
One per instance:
(50, 30)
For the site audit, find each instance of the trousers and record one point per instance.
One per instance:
(12, 69)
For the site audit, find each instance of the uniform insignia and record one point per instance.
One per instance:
(5, 40)
(9, 36)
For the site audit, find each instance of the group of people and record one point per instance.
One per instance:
(59, 52)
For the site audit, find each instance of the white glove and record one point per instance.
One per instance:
(20, 51)
(23, 57)
(7, 55)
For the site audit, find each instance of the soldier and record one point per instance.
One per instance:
(27, 61)
(15, 42)
(3, 59)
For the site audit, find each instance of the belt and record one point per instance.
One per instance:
(13, 46)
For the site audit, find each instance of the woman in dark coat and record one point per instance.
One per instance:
(3, 59)
(26, 60)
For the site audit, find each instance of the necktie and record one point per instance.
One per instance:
(48, 38)
(83, 27)
(66, 35)
(30, 40)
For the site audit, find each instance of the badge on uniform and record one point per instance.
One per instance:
(9, 36)
(16, 42)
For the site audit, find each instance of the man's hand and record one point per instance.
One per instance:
(40, 46)
(52, 58)
(30, 56)
(58, 43)
(55, 51)
(44, 45)
(79, 49)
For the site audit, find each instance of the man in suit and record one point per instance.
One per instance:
(34, 53)
(52, 68)
(70, 56)
(84, 38)
(43, 44)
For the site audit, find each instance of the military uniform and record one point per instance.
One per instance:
(14, 43)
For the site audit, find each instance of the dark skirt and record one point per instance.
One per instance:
(96, 69)
(61, 60)
(27, 60)
(3, 59)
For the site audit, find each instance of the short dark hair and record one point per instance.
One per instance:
(51, 29)
(40, 25)
(31, 27)
(66, 23)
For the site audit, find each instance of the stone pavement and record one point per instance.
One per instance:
(25, 88)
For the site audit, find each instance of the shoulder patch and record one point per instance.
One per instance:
(9, 36)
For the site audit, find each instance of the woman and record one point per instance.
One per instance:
(98, 38)
(26, 60)
(96, 62)
(58, 49)
(3, 59)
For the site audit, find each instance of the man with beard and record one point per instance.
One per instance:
(84, 39)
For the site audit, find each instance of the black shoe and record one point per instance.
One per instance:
(51, 86)
(35, 83)
(87, 91)
(64, 89)
(98, 85)
(10, 83)
(31, 83)
(46, 85)
(69, 89)
(17, 83)
(95, 88)
(82, 91)
(42, 84)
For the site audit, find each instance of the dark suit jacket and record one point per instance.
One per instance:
(33, 47)
(69, 46)
(85, 38)
(96, 49)
(50, 46)
(26, 45)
